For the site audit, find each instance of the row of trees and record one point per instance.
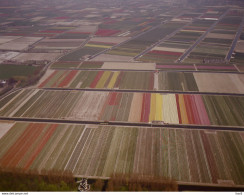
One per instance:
(134, 182)
(19, 180)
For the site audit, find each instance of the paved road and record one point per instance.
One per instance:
(238, 34)
(201, 38)
(125, 124)
(148, 91)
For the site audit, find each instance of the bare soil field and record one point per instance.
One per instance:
(36, 56)
(240, 46)
(109, 58)
(129, 66)
(35, 19)
(136, 108)
(5, 39)
(47, 40)
(218, 82)
(29, 40)
(220, 36)
(59, 44)
(75, 23)
(169, 49)
(8, 56)
(19, 44)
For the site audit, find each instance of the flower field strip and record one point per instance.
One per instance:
(72, 64)
(137, 45)
(10, 138)
(5, 100)
(91, 65)
(68, 78)
(122, 80)
(45, 153)
(233, 160)
(116, 106)
(192, 158)
(50, 132)
(177, 81)
(62, 149)
(166, 53)
(106, 32)
(222, 168)
(218, 42)
(77, 55)
(11, 106)
(88, 151)
(100, 151)
(175, 67)
(183, 163)
(47, 80)
(99, 79)
(210, 157)
(19, 148)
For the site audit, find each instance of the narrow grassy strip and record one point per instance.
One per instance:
(46, 152)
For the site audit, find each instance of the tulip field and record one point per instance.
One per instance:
(86, 150)
(128, 107)
(144, 80)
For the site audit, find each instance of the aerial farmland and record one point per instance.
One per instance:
(99, 88)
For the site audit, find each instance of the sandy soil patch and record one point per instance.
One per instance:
(57, 45)
(14, 46)
(220, 36)
(240, 46)
(109, 58)
(169, 49)
(115, 40)
(220, 82)
(5, 39)
(47, 40)
(136, 108)
(8, 56)
(75, 23)
(5, 127)
(92, 15)
(19, 44)
(36, 56)
(27, 39)
(35, 19)
(128, 66)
